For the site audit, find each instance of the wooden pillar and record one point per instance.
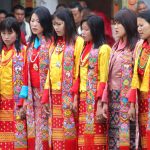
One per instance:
(25, 3)
(29, 3)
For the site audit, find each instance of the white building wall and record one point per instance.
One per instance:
(50, 4)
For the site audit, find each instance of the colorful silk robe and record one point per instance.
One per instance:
(141, 86)
(12, 131)
(93, 77)
(121, 133)
(37, 121)
(64, 71)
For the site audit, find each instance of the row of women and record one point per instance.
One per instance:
(66, 92)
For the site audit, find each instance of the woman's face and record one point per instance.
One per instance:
(120, 32)
(8, 37)
(143, 28)
(59, 26)
(86, 32)
(36, 27)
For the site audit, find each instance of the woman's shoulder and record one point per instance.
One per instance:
(79, 39)
(140, 42)
(105, 48)
(138, 48)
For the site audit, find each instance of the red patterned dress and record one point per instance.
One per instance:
(141, 85)
(63, 73)
(121, 132)
(94, 65)
(12, 130)
(35, 73)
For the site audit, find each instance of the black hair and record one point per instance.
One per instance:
(28, 11)
(18, 6)
(45, 20)
(128, 19)
(10, 15)
(73, 5)
(61, 5)
(96, 25)
(145, 15)
(65, 15)
(2, 11)
(140, 2)
(10, 24)
(85, 12)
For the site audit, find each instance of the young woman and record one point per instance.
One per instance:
(94, 62)
(37, 65)
(62, 80)
(12, 61)
(121, 133)
(141, 80)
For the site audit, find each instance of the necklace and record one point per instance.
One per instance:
(34, 58)
(60, 47)
(143, 58)
(35, 65)
(84, 60)
(85, 54)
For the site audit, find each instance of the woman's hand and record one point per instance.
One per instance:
(131, 112)
(99, 113)
(75, 103)
(105, 110)
(21, 113)
(46, 109)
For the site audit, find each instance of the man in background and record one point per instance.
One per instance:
(76, 10)
(19, 13)
(3, 14)
(142, 5)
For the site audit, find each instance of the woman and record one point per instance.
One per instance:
(141, 80)
(62, 80)
(94, 62)
(37, 65)
(12, 61)
(121, 132)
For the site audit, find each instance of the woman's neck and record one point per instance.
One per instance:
(8, 47)
(123, 39)
(39, 36)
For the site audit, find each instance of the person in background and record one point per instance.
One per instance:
(121, 132)
(35, 73)
(142, 5)
(94, 64)
(28, 12)
(19, 13)
(10, 15)
(83, 3)
(107, 25)
(86, 12)
(3, 14)
(13, 133)
(76, 10)
(62, 81)
(61, 5)
(141, 80)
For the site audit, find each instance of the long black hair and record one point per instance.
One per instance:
(65, 15)
(45, 20)
(145, 15)
(128, 19)
(10, 24)
(96, 25)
